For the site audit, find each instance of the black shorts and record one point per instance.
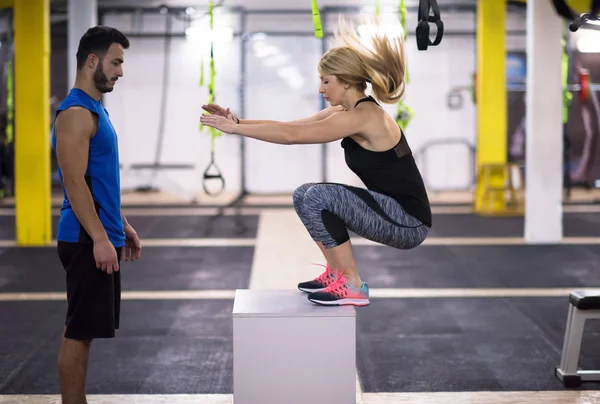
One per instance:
(93, 296)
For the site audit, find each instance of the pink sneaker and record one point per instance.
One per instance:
(320, 282)
(340, 293)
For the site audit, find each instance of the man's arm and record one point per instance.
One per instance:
(125, 222)
(74, 128)
(325, 113)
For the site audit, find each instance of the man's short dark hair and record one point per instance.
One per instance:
(97, 40)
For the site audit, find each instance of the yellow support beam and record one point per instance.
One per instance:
(32, 122)
(491, 97)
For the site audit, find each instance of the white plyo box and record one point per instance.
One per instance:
(287, 350)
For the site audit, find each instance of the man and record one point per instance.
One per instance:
(93, 233)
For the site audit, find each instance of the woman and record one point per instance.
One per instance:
(394, 209)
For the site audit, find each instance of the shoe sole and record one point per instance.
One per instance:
(311, 290)
(342, 302)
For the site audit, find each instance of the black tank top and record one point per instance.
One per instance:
(393, 173)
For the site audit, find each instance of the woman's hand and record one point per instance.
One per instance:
(216, 109)
(220, 123)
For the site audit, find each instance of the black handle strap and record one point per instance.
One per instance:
(424, 18)
(209, 176)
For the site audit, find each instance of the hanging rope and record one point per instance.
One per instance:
(404, 113)
(214, 134)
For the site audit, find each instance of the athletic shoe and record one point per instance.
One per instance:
(341, 293)
(320, 282)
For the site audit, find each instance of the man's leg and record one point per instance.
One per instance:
(72, 369)
(93, 304)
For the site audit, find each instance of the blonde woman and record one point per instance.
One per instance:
(394, 208)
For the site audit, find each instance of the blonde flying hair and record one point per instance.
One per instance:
(355, 63)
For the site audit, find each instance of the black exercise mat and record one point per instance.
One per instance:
(163, 347)
(509, 266)
(193, 226)
(161, 268)
(469, 225)
(466, 344)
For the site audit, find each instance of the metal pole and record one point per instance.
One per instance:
(444, 8)
(454, 34)
(566, 135)
(243, 38)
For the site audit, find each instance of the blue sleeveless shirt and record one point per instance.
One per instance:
(102, 176)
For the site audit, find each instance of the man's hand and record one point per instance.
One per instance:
(106, 256)
(216, 109)
(133, 247)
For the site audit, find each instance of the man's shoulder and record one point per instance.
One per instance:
(75, 113)
(76, 120)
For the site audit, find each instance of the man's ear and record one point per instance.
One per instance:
(92, 61)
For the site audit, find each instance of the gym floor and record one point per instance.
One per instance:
(474, 315)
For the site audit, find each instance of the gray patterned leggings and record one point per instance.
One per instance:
(328, 210)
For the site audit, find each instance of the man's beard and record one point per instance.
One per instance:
(101, 81)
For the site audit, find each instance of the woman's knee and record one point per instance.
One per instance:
(300, 192)
(414, 238)
(320, 196)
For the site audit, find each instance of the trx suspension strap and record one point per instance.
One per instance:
(423, 18)
(403, 14)
(211, 99)
(316, 15)
(404, 113)
(567, 95)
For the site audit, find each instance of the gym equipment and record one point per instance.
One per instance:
(567, 95)
(588, 20)
(489, 193)
(316, 15)
(211, 99)
(157, 165)
(423, 18)
(404, 114)
(587, 11)
(584, 80)
(245, 33)
(584, 88)
(275, 345)
(582, 306)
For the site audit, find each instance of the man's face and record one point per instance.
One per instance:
(109, 69)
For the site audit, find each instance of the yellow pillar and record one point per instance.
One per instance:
(32, 122)
(491, 96)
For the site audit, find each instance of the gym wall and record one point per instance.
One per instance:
(282, 84)
(283, 87)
